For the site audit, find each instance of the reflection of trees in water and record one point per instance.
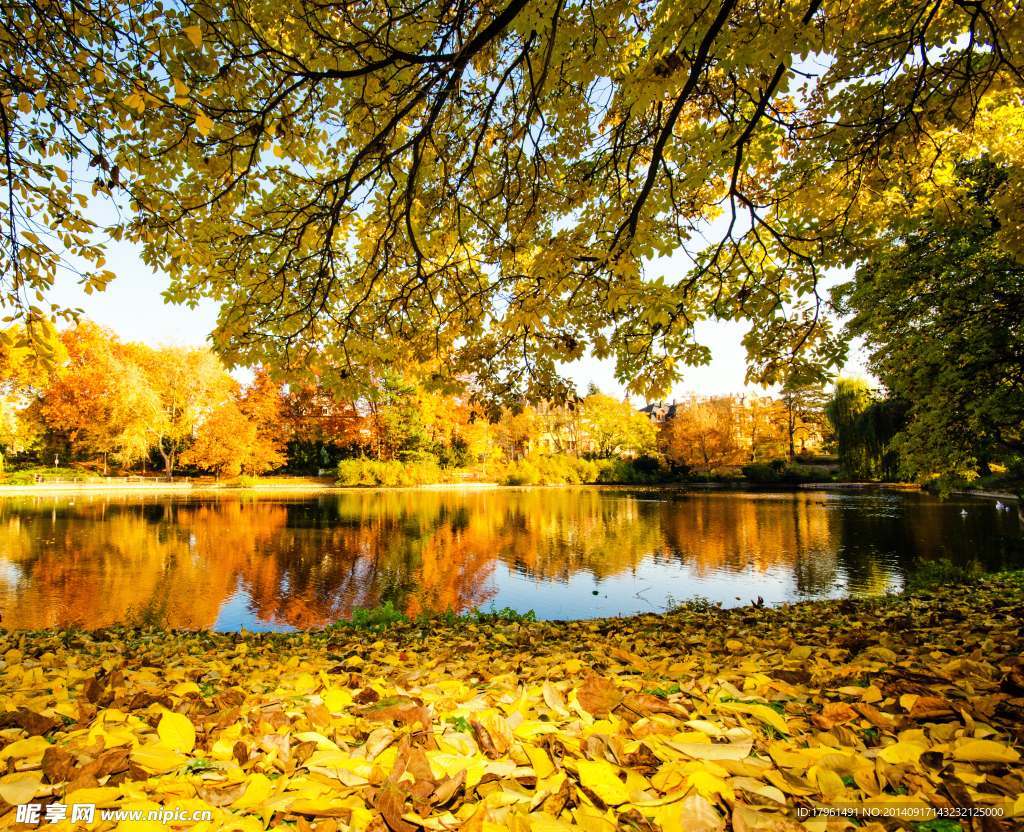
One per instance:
(758, 532)
(307, 562)
(300, 564)
(551, 535)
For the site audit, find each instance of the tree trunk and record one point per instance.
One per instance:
(168, 457)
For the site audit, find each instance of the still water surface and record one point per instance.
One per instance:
(282, 562)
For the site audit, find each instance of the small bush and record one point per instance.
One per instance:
(926, 574)
(761, 472)
(698, 604)
(245, 481)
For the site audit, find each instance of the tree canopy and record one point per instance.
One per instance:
(479, 186)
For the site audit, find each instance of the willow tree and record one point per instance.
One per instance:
(479, 186)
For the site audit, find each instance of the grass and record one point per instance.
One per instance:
(385, 617)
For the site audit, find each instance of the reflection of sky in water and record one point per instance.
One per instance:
(284, 562)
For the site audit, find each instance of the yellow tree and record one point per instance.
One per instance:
(614, 427)
(704, 434)
(161, 397)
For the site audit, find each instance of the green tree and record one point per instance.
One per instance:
(804, 411)
(940, 310)
(396, 421)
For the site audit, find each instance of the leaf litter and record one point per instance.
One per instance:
(702, 720)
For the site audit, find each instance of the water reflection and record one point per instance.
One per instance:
(273, 562)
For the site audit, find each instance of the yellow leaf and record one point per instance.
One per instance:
(102, 797)
(761, 712)
(177, 732)
(322, 743)
(712, 751)
(157, 758)
(40, 99)
(256, 792)
(337, 700)
(194, 34)
(539, 759)
(985, 751)
(599, 777)
(20, 787)
(707, 784)
(32, 747)
(901, 752)
(204, 124)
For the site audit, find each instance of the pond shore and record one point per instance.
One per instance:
(702, 719)
(312, 487)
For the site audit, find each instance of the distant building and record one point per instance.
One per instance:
(660, 412)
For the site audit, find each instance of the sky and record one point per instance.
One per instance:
(132, 306)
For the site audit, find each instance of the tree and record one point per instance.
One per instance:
(161, 397)
(74, 403)
(865, 427)
(68, 82)
(704, 434)
(763, 422)
(372, 187)
(396, 421)
(940, 310)
(316, 423)
(615, 427)
(804, 404)
(262, 403)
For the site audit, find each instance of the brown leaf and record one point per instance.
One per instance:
(647, 704)
(228, 699)
(87, 782)
(792, 677)
(33, 724)
(837, 713)
(366, 696)
(398, 709)
(220, 797)
(303, 751)
(240, 751)
(1013, 683)
(874, 716)
(144, 700)
(449, 788)
(390, 802)
(932, 708)
(487, 743)
(112, 762)
(57, 765)
(227, 718)
(599, 695)
(93, 689)
(696, 814)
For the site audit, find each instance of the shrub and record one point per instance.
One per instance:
(352, 472)
(761, 472)
(925, 574)
(245, 481)
(521, 472)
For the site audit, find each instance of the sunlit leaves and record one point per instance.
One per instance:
(688, 721)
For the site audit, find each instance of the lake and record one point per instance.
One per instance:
(285, 562)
